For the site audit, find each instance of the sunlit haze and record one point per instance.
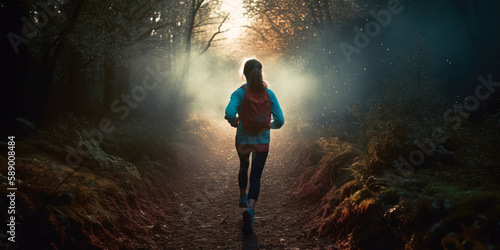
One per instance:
(234, 24)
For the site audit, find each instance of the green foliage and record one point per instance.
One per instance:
(397, 116)
(476, 144)
(455, 188)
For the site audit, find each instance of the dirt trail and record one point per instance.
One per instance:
(209, 216)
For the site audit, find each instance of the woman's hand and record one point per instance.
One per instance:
(235, 124)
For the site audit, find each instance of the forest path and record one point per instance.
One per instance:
(209, 216)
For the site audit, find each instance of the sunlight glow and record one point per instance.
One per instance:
(236, 19)
(235, 7)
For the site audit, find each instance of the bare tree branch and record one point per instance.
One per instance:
(147, 33)
(214, 35)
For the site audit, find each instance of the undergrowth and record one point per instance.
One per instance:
(117, 194)
(451, 201)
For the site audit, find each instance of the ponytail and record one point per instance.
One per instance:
(253, 74)
(255, 81)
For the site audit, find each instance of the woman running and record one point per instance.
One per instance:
(258, 111)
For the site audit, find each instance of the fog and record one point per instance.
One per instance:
(317, 82)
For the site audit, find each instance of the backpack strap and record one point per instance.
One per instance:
(244, 87)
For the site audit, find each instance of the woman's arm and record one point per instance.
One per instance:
(232, 108)
(278, 118)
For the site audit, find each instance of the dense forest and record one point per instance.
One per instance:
(113, 133)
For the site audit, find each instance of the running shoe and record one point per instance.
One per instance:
(248, 215)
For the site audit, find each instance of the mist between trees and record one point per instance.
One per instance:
(89, 58)
(85, 54)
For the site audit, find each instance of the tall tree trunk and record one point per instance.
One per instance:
(74, 92)
(109, 91)
(50, 58)
(123, 84)
(194, 9)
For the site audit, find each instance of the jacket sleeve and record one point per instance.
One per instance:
(278, 118)
(232, 107)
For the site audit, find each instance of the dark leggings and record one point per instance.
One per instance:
(258, 162)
